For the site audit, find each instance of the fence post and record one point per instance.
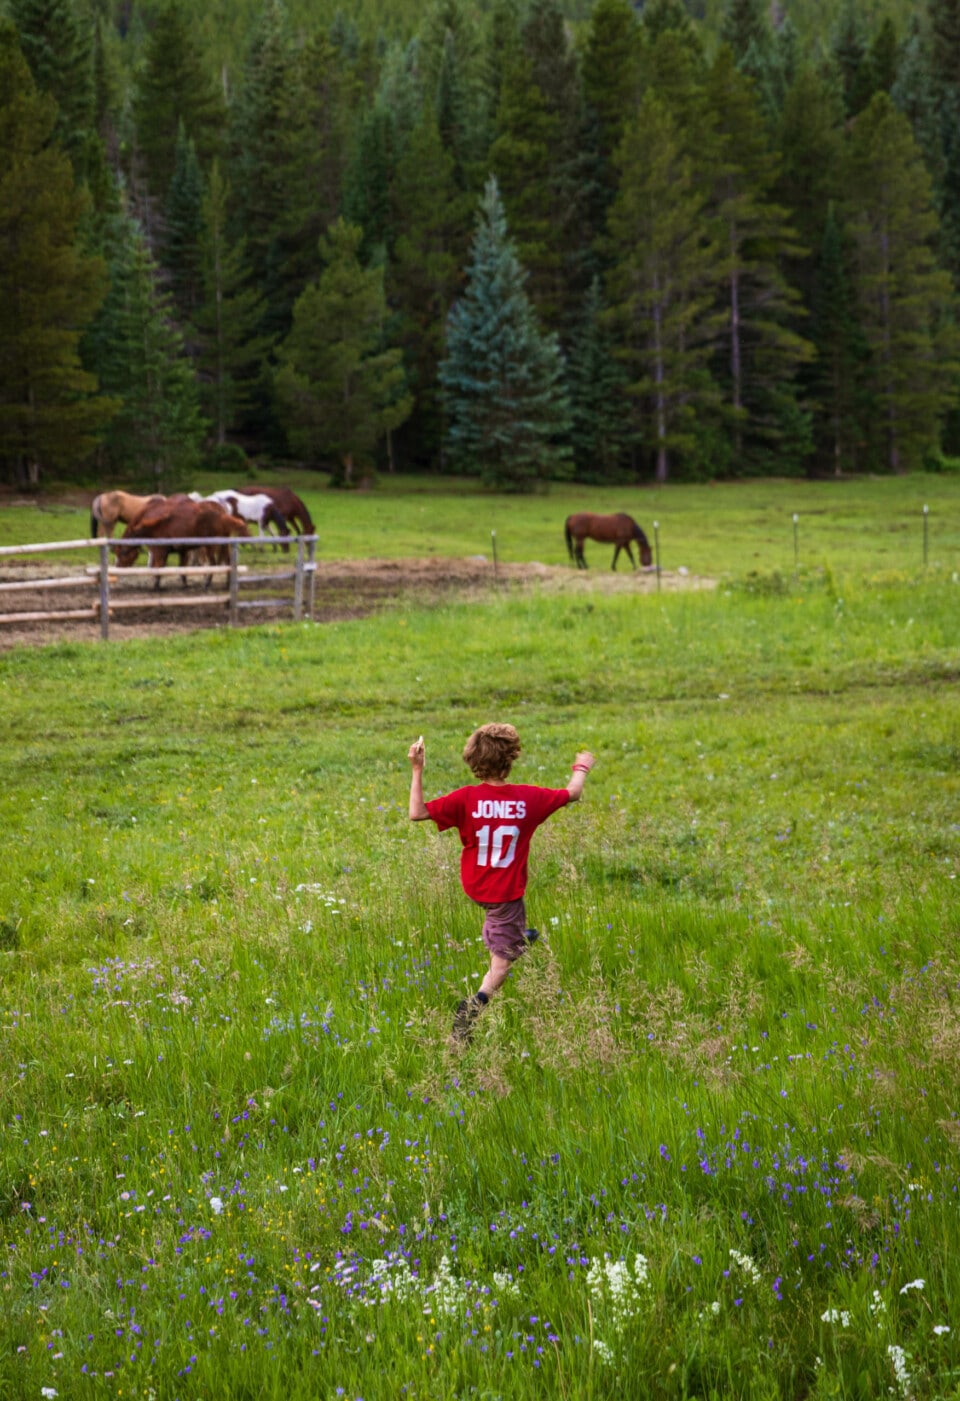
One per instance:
(104, 591)
(656, 546)
(311, 584)
(234, 583)
(298, 583)
(926, 517)
(493, 542)
(796, 543)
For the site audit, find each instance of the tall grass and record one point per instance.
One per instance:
(702, 1143)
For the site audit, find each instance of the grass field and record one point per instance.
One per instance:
(705, 1143)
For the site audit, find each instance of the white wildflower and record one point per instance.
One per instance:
(940, 1329)
(446, 1294)
(216, 1205)
(840, 1316)
(50, 1390)
(506, 1284)
(914, 1284)
(603, 1352)
(877, 1304)
(747, 1265)
(898, 1359)
(610, 1282)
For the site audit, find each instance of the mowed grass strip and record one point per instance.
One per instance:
(704, 1143)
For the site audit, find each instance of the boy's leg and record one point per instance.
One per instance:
(496, 974)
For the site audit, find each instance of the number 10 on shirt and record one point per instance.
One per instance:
(492, 852)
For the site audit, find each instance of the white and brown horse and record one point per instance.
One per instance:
(113, 507)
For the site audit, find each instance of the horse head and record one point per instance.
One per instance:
(643, 544)
(126, 555)
(272, 516)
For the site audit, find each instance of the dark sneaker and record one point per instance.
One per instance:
(531, 935)
(466, 1014)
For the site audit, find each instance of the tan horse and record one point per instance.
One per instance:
(617, 530)
(112, 506)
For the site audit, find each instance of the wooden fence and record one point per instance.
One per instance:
(106, 579)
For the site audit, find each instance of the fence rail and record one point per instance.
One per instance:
(104, 577)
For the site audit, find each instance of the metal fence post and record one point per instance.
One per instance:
(926, 517)
(104, 591)
(234, 583)
(656, 546)
(298, 583)
(796, 543)
(493, 542)
(312, 582)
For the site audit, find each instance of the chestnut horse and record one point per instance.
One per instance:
(287, 503)
(617, 530)
(181, 520)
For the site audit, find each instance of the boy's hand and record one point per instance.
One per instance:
(584, 760)
(417, 753)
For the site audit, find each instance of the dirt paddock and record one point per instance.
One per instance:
(351, 588)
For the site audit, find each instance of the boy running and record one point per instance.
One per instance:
(496, 820)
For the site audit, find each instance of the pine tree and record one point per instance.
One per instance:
(57, 43)
(366, 186)
(597, 386)
(340, 390)
(230, 352)
(906, 301)
(809, 177)
(662, 286)
(182, 226)
(502, 379)
(428, 214)
(49, 288)
(837, 373)
(761, 351)
(850, 56)
(154, 440)
(173, 87)
(452, 69)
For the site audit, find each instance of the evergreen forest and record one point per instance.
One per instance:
(523, 240)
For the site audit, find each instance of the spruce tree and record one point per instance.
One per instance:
(56, 37)
(181, 228)
(230, 351)
(339, 388)
(428, 214)
(906, 301)
(662, 286)
(49, 288)
(850, 56)
(523, 157)
(761, 350)
(809, 177)
(597, 386)
(507, 410)
(836, 376)
(153, 442)
(173, 86)
(611, 71)
(745, 27)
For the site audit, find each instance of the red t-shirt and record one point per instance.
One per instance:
(496, 822)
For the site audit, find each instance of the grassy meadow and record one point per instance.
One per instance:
(707, 1140)
(861, 525)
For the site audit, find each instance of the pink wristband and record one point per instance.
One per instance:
(584, 768)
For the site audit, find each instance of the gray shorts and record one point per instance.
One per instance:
(504, 929)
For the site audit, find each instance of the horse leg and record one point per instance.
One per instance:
(630, 554)
(581, 562)
(615, 553)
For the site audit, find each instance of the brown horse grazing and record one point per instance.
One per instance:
(112, 506)
(287, 503)
(617, 530)
(178, 520)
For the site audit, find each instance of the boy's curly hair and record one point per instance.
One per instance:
(492, 750)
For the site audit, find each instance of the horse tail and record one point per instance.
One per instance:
(569, 537)
(94, 517)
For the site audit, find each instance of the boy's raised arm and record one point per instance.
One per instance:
(417, 755)
(582, 764)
